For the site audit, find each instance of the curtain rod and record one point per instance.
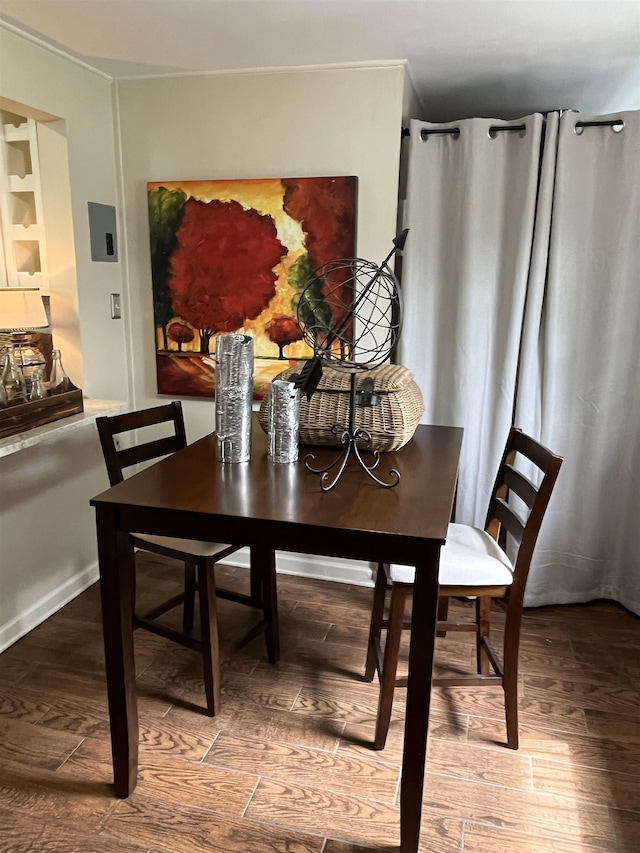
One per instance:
(509, 128)
(455, 131)
(615, 122)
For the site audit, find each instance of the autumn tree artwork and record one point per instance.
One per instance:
(235, 256)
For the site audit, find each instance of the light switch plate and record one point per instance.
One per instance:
(116, 307)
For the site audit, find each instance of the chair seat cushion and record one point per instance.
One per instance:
(469, 557)
(192, 547)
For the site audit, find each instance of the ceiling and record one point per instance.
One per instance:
(498, 58)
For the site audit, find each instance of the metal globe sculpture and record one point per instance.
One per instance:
(350, 314)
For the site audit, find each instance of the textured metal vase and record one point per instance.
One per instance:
(284, 417)
(234, 396)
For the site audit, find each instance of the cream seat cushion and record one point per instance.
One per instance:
(469, 557)
(188, 546)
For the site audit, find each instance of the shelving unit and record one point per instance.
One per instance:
(23, 233)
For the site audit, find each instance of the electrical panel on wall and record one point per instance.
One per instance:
(102, 232)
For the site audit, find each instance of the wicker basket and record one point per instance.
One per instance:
(391, 422)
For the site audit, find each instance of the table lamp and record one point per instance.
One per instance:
(21, 311)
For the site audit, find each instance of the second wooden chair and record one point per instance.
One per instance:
(473, 564)
(199, 558)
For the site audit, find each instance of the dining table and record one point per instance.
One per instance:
(271, 507)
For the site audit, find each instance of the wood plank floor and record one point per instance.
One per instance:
(287, 766)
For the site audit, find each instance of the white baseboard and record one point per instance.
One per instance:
(49, 604)
(305, 565)
(302, 565)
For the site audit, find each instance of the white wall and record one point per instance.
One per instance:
(42, 80)
(60, 256)
(337, 121)
(411, 104)
(411, 108)
(295, 123)
(47, 528)
(334, 121)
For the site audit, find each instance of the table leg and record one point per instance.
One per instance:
(263, 566)
(116, 561)
(255, 578)
(423, 625)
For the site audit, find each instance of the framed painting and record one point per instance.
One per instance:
(236, 256)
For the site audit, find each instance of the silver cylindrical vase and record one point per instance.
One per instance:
(284, 419)
(234, 396)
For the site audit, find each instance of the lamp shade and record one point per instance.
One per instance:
(21, 309)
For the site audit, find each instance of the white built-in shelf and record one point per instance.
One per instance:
(21, 212)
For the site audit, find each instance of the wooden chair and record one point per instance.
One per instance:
(199, 558)
(473, 563)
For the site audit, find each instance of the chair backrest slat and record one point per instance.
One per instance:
(508, 519)
(117, 460)
(150, 450)
(540, 455)
(520, 485)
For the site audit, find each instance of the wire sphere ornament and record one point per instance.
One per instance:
(350, 315)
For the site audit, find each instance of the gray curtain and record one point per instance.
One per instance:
(580, 385)
(522, 305)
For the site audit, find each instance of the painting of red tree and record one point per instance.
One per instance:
(235, 256)
(181, 334)
(283, 331)
(222, 270)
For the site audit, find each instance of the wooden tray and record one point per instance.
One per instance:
(26, 416)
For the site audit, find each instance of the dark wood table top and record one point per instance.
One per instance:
(284, 505)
